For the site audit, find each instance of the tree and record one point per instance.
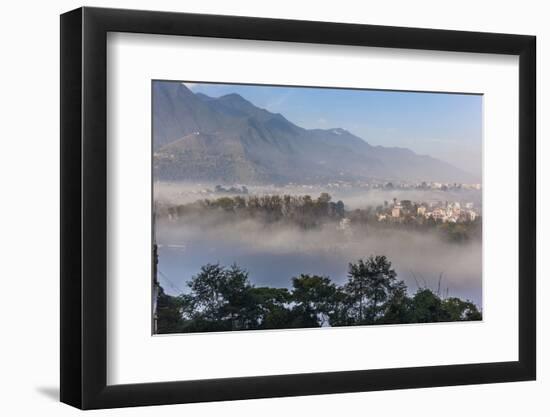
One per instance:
(169, 317)
(206, 291)
(225, 203)
(220, 299)
(455, 232)
(398, 308)
(271, 307)
(314, 300)
(340, 209)
(370, 284)
(239, 307)
(427, 307)
(459, 310)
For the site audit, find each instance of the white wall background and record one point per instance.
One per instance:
(29, 175)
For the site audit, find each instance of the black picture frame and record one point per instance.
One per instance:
(84, 207)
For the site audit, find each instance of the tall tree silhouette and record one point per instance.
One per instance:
(222, 298)
(314, 300)
(371, 282)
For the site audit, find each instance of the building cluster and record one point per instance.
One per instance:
(401, 185)
(441, 211)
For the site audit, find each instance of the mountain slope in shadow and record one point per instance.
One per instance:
(230, 140)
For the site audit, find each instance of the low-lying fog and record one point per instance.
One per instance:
(274, 254)
(353, 197)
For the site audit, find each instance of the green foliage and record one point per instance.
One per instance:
(371, 283)
(303, 211)
(428, 308)
(168, 313)
(455, 232)
(398, 308)
(314, 300)
(222, 298)
(271, 307)
(460, 310)
(307, 212)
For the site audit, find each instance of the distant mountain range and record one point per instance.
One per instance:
(230, 140)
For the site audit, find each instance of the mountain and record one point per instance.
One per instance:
(229, 139)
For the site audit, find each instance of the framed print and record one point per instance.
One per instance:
(256, 208)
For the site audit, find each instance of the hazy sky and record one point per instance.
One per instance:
(446, 126)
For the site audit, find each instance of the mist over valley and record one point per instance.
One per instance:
(274, 253)
(260, 223)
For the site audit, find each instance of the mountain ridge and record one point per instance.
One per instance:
(230, 140)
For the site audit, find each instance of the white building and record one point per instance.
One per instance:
(396, 211)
